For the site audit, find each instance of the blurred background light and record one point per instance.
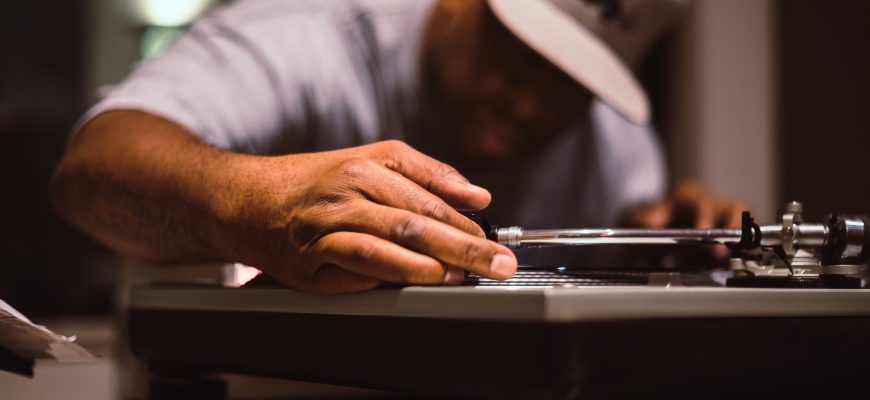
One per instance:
(168, 13)
(157, 39)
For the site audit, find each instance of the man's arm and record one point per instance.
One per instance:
(145, 187)
(326, 222)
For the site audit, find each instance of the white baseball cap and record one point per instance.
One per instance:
(594, 42)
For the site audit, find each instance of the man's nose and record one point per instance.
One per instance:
(524, 106)
(520, 103)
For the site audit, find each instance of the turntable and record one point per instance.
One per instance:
(788, 315)
(792, 253)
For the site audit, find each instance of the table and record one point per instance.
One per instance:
(516, 342)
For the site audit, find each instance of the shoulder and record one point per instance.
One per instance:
(319, 33)
(255, 12)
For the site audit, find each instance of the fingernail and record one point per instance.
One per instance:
(475, 188)
(454, 276)
(502, 266)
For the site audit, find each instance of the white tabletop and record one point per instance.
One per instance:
(551, 304)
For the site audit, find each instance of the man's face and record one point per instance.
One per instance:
(501, 99)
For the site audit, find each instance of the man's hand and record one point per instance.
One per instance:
(688, 205)
(347, 220)
(329, 222)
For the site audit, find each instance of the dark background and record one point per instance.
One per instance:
(825, 105)
(48, 268)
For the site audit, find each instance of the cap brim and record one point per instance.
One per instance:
(577, 51)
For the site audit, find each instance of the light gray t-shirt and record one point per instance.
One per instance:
(290, 76)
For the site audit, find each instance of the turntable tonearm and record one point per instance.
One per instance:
(792, 253)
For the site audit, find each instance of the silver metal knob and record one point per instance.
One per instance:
(510, 237)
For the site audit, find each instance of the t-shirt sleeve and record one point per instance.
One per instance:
(632, 162)
(218, 83)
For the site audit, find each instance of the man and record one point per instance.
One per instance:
(262, 137)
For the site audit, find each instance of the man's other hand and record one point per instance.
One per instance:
(689, 205)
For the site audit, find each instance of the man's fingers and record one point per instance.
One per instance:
(689, 205)
(377, 258)
(332, 279)
(433, 175)
(389, 188)
(435, 239)
(732, 215)
(713, 212)
(655, 215)
(705, 213)
(699, 203)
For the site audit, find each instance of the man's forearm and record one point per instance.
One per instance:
(328, 222)
(146, 187)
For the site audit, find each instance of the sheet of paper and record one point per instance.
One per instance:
(31, 342)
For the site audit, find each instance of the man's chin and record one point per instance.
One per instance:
(497, 148)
